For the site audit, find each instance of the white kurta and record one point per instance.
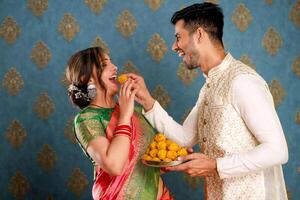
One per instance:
(254, 104)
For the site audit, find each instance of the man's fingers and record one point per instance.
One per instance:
(133, 92)
(190, 150)
(191, 156)
(133, 76)
(181, 167)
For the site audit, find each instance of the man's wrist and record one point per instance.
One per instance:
(215, 166)
(149, 104)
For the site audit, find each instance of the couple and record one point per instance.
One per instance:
(234, 120)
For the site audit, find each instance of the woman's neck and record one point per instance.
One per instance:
(103, 101)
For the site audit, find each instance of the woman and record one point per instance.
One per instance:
(114, 135)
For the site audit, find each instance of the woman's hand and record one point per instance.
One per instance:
(143, 95)
(126, 102)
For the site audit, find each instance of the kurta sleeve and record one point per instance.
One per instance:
(253, 102)
(184, 135)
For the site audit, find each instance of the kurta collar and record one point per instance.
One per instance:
(221, 67)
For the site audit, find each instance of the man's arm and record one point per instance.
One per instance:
(253, 101)
(185, 134)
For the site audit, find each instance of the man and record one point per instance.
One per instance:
(234, 119)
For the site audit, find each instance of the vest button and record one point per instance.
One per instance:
(206, 103)
(208, 86)
(204, 139)
(204, 122)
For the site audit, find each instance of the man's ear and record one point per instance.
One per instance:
(199, 34)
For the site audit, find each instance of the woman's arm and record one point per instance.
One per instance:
(112, 157)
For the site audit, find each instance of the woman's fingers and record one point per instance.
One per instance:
(128, 89)
(121, 90)
(132, 95)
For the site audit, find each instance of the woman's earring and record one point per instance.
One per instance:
(92, 91)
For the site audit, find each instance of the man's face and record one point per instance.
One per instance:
(184, 46)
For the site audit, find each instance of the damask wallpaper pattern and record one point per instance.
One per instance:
(39, 155)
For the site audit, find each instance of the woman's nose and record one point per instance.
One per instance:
(115, 67)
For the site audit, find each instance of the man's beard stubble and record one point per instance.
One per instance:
(191, 64)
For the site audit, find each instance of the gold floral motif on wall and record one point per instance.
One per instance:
(18, 186)
(272, 41)
(43, 106)
(297, 117)
(294, 15)
(161, 95)
(184, 116)
(15, 134)
(96, 5)
(40, 54)
(193, 182)
(98, 42)
(269, 2)
(129, 67)
(289, 195)
(13, 82)
(50, 198)
(212, 1)
(9, 30)
(247, 60)
(78, 182)
(64, 81)
(296, 66)
(277, 92)
(157, 47)
(68, 132)
(38, 7)
(242, 17)
(154, 4)
(46, 158)
(126, 24)
(68, 27)
(186, 75)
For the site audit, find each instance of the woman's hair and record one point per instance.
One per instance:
(79, 71)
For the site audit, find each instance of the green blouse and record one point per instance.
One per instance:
(92, 122)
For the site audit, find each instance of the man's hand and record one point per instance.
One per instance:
(143, 95)
(197, 164)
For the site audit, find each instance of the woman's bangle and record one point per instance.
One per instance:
(116, 135)
(123, 130)
(123, 127)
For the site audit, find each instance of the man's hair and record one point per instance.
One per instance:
(207, 15)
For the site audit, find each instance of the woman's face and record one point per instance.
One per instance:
(109, 75)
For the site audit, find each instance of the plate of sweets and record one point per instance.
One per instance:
(163, 152)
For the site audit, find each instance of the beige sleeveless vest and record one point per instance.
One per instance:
(221, 132)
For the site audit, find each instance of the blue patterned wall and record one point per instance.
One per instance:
(39, 158)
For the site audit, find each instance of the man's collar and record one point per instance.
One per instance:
(221, 67)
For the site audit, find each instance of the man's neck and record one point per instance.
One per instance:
(212, 59)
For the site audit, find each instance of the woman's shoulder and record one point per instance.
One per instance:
(91, 113)
(84, 114)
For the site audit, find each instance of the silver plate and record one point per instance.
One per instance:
(161, 163)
